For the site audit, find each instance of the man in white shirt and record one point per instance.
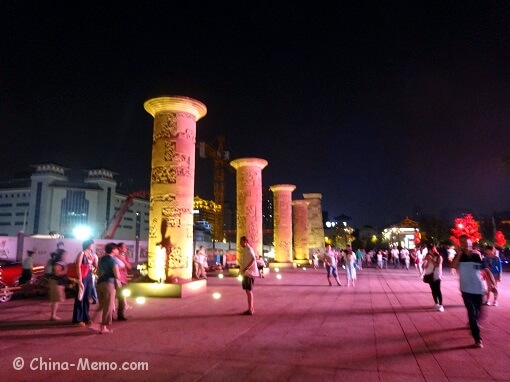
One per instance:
(394, 257)
(248, 269)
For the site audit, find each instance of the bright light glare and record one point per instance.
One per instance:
(304, 268)
(82, 232)
(240, 278)
(279, 276)
(220, 276)
(216, 295)
(126, 293)
(277, 269)
(140, 300)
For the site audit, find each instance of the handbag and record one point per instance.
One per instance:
(429, 277)
(84, 267)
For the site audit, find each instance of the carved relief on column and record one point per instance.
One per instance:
(172, 186)
(301, 229)
(315, 224)
(282, 214)
(249, 200)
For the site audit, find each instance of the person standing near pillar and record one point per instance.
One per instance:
(83, 264)
(122, 260)
(248, 270)
(330, 259)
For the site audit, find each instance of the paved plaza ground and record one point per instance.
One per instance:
(383, 329)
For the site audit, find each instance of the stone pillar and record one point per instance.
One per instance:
(302, 255)
(170, 244)
(249, 200)
(282, 208)
(315, 224)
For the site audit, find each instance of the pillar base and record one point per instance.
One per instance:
(176, 290)
(282, 265)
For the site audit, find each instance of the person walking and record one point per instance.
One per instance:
(493, 269)
(469, 265)
(57, 282)
(434, 265)
(108, 272)
(83, 263)
(350, 269)
(330, 260)
(248, 270)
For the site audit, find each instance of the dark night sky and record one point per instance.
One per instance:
(380, 106)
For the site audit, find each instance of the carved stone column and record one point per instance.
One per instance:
(315, 224)
(282, 222)
(302, 255)
(249, 200)
(170, 244)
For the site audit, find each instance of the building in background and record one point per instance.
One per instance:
(48, 202)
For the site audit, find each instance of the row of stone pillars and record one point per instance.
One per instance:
(170, 246)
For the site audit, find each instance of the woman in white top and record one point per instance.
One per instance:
(434, 264)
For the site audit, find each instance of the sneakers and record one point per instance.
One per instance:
(479, 344)
(79, 324)
(488, 303)
(436, 306)
(441, 308)
(495, 303)
(95, 326)
(105, 330)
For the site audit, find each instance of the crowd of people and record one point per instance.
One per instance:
(108, 274)
(479, 271)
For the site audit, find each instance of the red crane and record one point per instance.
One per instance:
(111, 228)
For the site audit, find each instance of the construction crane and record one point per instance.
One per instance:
(111, 228)
(220, 157)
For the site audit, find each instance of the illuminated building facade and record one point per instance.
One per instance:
(47, 201)
(403, 234)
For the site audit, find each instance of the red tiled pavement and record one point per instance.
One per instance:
(303, 330)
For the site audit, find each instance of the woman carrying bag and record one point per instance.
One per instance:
(433, 270)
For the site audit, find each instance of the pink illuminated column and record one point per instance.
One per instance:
(315, 224)
(170, 244)
(282, 222)
(301, 231)
(249, 200)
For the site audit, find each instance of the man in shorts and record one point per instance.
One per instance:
(248, 270)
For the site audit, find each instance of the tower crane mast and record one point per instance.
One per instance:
(220, 157)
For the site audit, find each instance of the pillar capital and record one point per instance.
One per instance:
(175, 104)
(282, 187)
(249, 162)
(312, 196)
(300, 202)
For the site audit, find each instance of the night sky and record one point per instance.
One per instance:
(384, 107)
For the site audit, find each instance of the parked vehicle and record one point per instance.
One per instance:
(10, 272)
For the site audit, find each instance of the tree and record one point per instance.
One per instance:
(437, 230)
(466, 225)
(499, 239)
